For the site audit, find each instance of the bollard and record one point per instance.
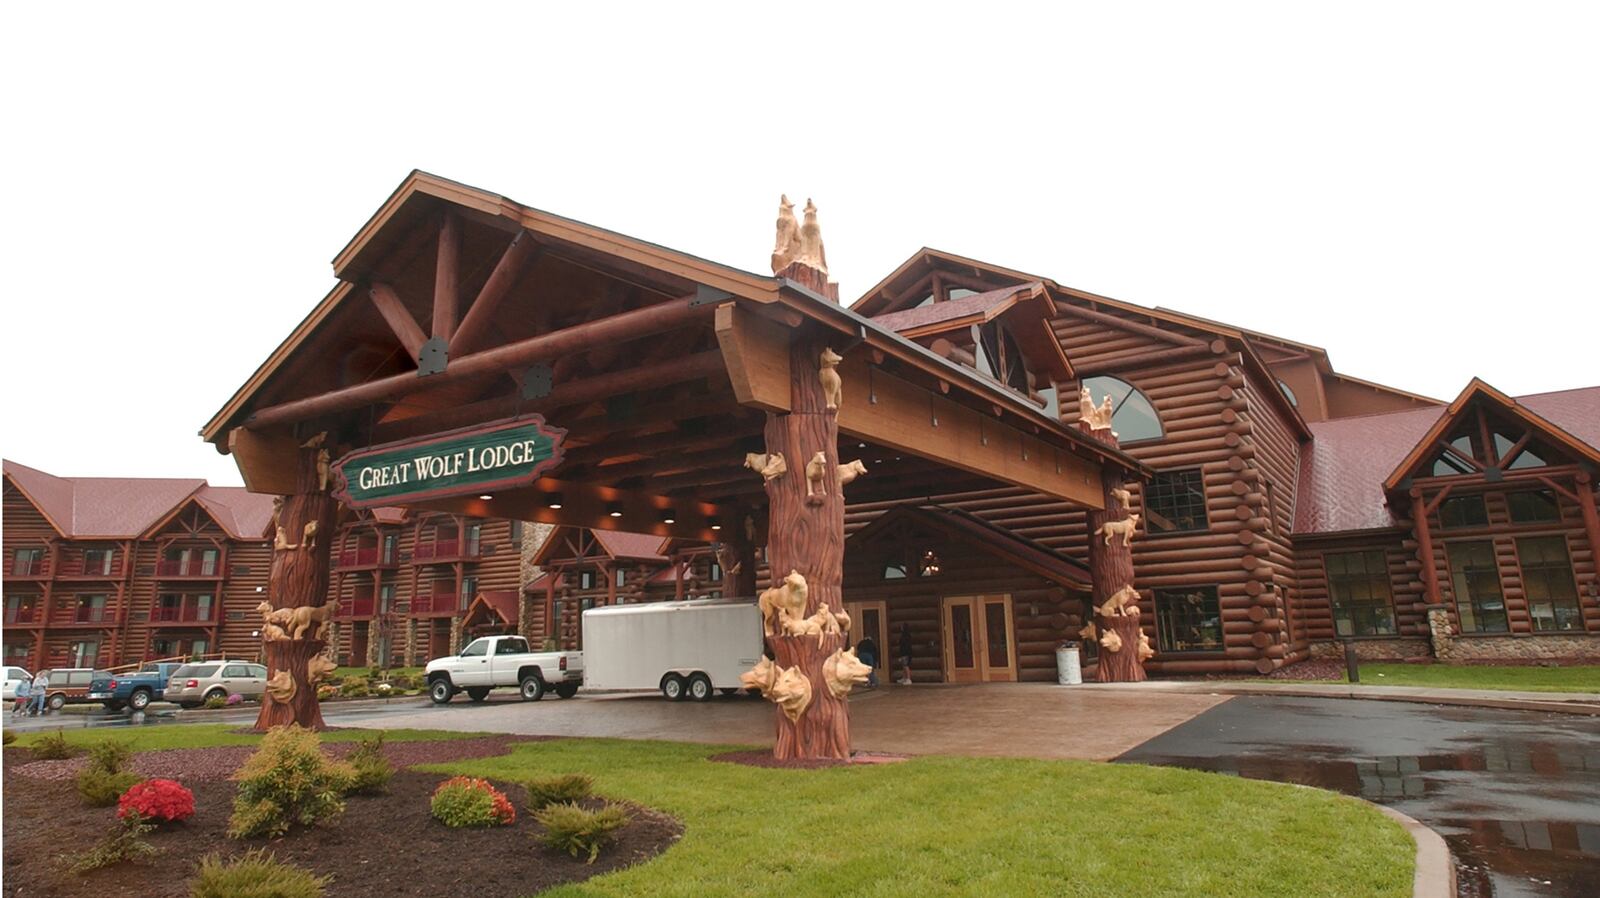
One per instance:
(1352, 664)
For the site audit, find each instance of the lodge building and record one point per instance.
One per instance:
(1281, 506)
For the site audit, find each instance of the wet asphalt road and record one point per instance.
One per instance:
(1516, 794)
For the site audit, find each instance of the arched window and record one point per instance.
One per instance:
(1133, 416)
(1288, 393)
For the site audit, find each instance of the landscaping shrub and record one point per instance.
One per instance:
(216, 701)
(156, 801)
(235, 698)
(287, 782)
(354, 687)
(577, 831)
(53, 747)
(102, 788)
(570, 788)
(7, 737)
(125, 842)
(465, 801)
(255, 874)
(372, 770)
(102, 783)
(326, 692)
(401, 681)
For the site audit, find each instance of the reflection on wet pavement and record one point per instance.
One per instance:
(1515, 794)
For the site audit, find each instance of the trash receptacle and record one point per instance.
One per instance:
(1068, 671)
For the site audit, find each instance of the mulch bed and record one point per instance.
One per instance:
(381, 845)
(765, 759)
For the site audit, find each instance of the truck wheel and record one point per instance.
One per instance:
(440, 691)
(532, 688)
(477, 693)
(700, 687)
(139, 700)
(567, 690)
(673, 687)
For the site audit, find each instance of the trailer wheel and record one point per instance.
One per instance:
(728, 691)
(567, 690)
(700, 687)
(673, 687)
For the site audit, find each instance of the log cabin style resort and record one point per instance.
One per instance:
(499, 418)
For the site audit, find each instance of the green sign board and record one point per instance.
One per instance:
(481, 459)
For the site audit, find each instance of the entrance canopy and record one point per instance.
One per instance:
(653, 370)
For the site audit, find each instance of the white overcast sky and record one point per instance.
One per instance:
(1411, 185)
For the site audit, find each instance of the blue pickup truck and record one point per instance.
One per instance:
(133, 690)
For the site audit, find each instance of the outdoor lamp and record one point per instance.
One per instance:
(614, 509)
(716, 523)
(552, 500)
(668, 516)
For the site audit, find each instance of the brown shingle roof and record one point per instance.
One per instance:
(621, 544)
(1343, 468)
(126, 507)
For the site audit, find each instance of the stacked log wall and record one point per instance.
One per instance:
(1268, 467)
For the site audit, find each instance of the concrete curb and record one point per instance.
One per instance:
(1436, 870)
(1583, 704)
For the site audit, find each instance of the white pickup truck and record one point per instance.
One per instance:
(494, 661)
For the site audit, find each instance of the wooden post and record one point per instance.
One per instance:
(1419, 520)
(299, 579)
(806, 535)
(1591, 522)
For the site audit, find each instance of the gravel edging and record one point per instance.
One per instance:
(1436, 872)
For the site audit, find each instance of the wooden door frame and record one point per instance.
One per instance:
(853, 608)
(982, 671)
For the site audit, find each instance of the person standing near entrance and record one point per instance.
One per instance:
(40, 692)
(905, 655)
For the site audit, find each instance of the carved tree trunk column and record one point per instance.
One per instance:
(806, 534)
(1110, 570)
(299, 578)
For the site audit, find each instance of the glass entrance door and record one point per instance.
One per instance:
(871, 619)
(978, 641)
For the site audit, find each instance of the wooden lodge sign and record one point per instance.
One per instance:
(481, 459)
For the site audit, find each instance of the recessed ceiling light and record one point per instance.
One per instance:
(486, 497)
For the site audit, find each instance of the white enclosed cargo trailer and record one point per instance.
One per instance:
(685, 649)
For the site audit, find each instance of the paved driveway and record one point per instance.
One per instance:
(994, 720)
(1515, 793)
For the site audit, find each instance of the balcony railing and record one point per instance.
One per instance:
(26, 614)
(358, 607)
(182, 614)
(78, 567)
(445, 550)
(32, 568)
(370, 557)
(92, 617)
(193, 567)
(438, 603)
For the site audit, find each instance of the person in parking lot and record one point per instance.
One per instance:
(21, 704)
(40, 692)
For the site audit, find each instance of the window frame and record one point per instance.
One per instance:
(1150, 498)
(1163, 597)
(1452, 550)
(1371, 579)
(1455, 501)
(1511, 507)
(1551, 572)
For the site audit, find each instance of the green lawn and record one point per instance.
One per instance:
(1584, 678)
(940, 826)
(340, 673)
(206, 735)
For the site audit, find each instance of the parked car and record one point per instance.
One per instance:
(192, 684)
(686, 649)
(14, 675)
(70, 685)
(503, 661)
(134, 690)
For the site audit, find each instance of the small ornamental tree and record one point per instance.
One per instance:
(158, 801)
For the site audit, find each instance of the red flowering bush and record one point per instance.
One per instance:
(466, 801)
(159, 801)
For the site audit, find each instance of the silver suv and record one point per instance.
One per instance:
(192, 684)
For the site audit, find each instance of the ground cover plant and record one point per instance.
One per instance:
(937, 826)
(464, 801)
(370, 770)
(51, 746)
(288, 782)
(255, 874)
(579, 831)
(124, 842)
(568, 788)
(102, 783)
(156, 801)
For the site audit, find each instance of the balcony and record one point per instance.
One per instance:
(190, 568)
(25, 615)
(446, 550)
(85, 617)
(360, 606)
(28, 569)
(371, 557)
(79, 569)
(183, 614)
(438, 603)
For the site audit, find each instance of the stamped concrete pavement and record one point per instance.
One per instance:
(988, 720)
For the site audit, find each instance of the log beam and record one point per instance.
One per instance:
(522, 251)
(398, 318)
(757, 354)
(447, 278)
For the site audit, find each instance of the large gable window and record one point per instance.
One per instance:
(1475, 578)
(1133, 416)
(1548, 584)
